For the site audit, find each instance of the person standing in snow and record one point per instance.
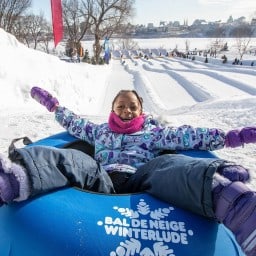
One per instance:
(128, 158)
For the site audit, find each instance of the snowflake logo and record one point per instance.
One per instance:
(145, 224)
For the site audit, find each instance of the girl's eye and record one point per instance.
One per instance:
(132, 108)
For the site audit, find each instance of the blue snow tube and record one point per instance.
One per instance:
(73, 222)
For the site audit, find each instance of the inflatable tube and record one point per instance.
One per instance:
(75, 222)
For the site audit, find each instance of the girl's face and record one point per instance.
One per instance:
(127, 106)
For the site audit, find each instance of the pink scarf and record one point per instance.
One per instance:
(117, 125)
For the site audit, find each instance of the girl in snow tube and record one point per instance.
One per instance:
(128, 159)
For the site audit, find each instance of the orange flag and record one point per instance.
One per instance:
(57, 23)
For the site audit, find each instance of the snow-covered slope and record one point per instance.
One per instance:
(178, 91)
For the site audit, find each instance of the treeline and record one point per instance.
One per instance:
(98, 18)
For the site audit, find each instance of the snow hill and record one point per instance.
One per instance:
(178, 91)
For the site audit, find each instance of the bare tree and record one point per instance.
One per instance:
(11, 11)
(76, 22)
(106, 17)
(31, 29)
(127, 44)
(37, 28)
(20, 31)
(46, 38)
(243, 35)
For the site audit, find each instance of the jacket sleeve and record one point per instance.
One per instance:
(79, 127)
(188, 137)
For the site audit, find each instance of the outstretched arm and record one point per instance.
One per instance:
(188, 137)
(74, 124)
(77, 126)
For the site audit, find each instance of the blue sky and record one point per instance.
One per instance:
(180, 10)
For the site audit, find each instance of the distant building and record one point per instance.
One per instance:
(253, 22)
(176, 23)
(185, 24)
(240, 20)
(150, 26)
(198, 22)
(162, 23)
(230, 19)
(199, 28)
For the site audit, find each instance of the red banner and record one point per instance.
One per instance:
(57, 23)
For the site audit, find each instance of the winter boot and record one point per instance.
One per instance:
(9, 187)
(14, 182)
(235, 207)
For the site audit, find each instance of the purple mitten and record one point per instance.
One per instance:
(44, 98)
(248, 134)
(233, 139)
